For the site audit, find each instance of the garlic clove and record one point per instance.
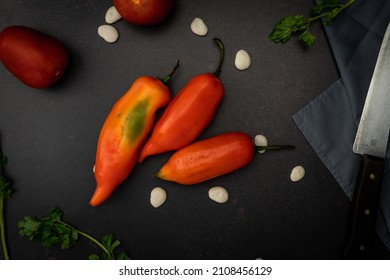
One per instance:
(157, 197)
(242, 60)
(297, 173)
(199, 27)
(108, 33)
(261, 140)
(112, 15)
(218, 194)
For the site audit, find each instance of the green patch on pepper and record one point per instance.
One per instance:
(135, 121)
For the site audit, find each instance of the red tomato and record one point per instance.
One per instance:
(144, 12)
(33, 57)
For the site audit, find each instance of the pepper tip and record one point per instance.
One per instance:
(99, 196)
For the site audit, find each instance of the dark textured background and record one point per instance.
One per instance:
(50, 135)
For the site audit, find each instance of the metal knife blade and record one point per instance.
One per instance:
(373, 131)
(371, 142)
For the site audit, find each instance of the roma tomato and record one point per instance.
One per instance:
(144, 12)
(36, 59)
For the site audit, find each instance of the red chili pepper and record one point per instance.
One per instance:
(188, 114)
(125, 131)
(212, 157)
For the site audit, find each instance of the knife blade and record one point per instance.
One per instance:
(371, 142)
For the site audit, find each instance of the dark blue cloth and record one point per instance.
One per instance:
(330, 121)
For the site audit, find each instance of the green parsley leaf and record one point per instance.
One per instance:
(123, 256)
(299, 24)
(52, 230)
(93, 257)
(331, 15)
(283, 30)
(108, 240)
(49, 230)
(307, 38)
(110, 243)
(321, 6)
(56, 214)
(29, 227)
(6, 190)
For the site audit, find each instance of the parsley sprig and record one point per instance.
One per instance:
(299, 24)
(52, 230)
(6, 191)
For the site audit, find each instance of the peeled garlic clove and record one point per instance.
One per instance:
(108, 33)
(218, 194)
(297, 173)
(157, 197)
(242, 60)
(198, 27)
(112, 15)
(261, 140)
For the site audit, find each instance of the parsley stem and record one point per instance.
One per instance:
(348, 4)
(97, 243)
(2, 199)
(342, 7)
(86, 235)
(2, 228)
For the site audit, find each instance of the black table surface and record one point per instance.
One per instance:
(50, 136)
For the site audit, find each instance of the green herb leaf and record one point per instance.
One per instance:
(321, 6)
(123, 256)
(49, 230)
(110, 242)
(6, 189)
(52, 230)
(290, 25)
(93, 257)
(56, 214)
(29, 226)
(331, 15)
(307, 38)
(284, 29)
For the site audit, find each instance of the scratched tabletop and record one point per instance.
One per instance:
(50, 136)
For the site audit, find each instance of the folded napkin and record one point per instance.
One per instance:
(330, 121)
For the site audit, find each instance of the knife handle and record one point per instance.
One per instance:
(364, 208)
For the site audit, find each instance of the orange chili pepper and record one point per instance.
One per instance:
(212, 157)
(125, 131)
(188, 114)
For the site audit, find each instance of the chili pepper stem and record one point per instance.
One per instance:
(168, 78)
(221, 56)
(274, 148)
